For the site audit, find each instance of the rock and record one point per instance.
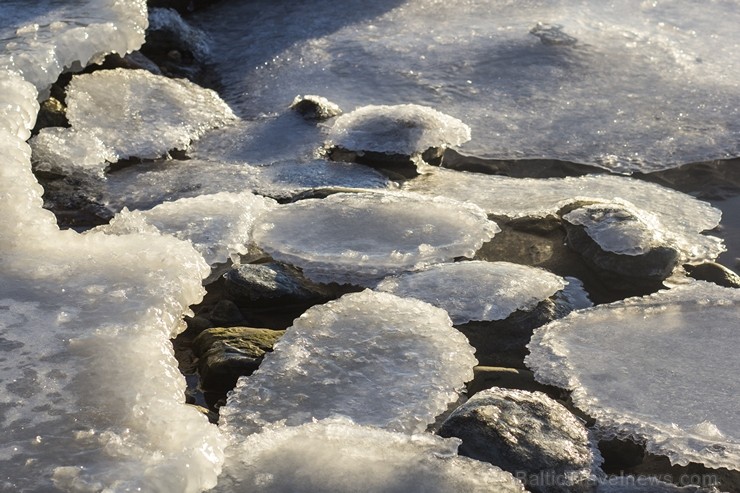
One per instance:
(622, 244)
(51, 114)
(486, 377)
(226, 313)
(225, 354)
(713, 272)
(273, 282)
(315, 107)
(503, 343)
(552, 35)
(528, 434)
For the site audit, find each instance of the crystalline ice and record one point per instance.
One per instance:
(42, 39)
(67, 151)
(138, 114)
(362, 237)
(144, 186)
(376, 358)
(660, 369)
(677, 216)
(477, 290)
(627, 85)
(217, 225)
(619, 228)
(403, 129)
(337, 456)
(90, 394)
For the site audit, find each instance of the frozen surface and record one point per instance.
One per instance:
(337, 456)
(662, 369)
(619, 228)
(70, 152)
(627, 85)
(138, 114)
(362, 237)
(678, 217)
(218, 225)
(41, 39)
(373, 357)
(146, 185)
(402, 129)
(477, 290)
(90, 393)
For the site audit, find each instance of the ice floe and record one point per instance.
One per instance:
(69, 152)
(138, 114)
(373, 357)
(406, 129)
(337, 456)
(678, 217)
(660, 369)
(40, 40)
(362, 237)
(627, 85)
(217, 225)
(476, 290)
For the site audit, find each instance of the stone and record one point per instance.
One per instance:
(273, 282)
(713, 272)
(485, 377)
(622, 244)
(225, 354)
(225, 312)
(527, 434)
(313, 107)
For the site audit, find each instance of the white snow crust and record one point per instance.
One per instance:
(678, 217)
(402, 129)
(139, 114)
(373, 357)
(218, 226)
(476, 290)
(362, 237)
(660, 369)
(337, 456)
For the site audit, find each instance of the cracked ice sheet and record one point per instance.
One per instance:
(679, 217)
(337, 456)
(646, 86)
(477, 290)
(662, 368)
(373, 357)
(359, 238)
(147, 185)
(218, 226)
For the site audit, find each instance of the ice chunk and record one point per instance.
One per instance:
(619, 228)
(218, 225)
(337, 456)
(138, 114)
(18, 106)
(477, 290)
(43, 39)
(677, 216)
(376, 358)
(660, 369)
(70, 152)
(362, 237)
(403, 129)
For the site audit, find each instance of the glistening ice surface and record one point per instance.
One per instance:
(627, 85)
(373, 357)
(337, 456)
(217, 225)
(476, 290)
(362, 237)
(662, 369)
(678, 217)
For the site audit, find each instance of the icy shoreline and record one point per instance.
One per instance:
(83, 313)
